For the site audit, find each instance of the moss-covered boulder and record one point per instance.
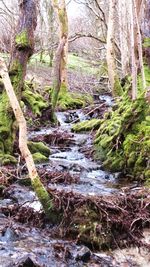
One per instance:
(39, 158)
(7, 159)
(68, 100)
(123, 139)
(39, 151)
(33, 99)
(86, 125)
(35, 147)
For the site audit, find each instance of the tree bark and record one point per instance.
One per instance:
(22, 50)
(137, 9)
(133, 58)
(40, 190)
(61, 56)
(110, 56)
(124, 36)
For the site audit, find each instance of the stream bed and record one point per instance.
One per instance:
(24, 244)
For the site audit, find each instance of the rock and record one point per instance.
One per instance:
(39, 158)
(8, 236)
(39, 147)
(19, 194)
(83, 254)
(27, 261)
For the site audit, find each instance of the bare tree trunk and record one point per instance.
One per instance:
(124, 36)
(57, 75)
(61, 56)
(40, 190)
(111, 64)
(139, 40)
(133, 58)
(22, 49)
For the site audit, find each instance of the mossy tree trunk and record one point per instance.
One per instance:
(44, 197)
(60, 61)
(110, 56)
(22, 50)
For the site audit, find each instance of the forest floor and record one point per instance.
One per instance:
(105, 217)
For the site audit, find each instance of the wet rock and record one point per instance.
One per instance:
(69, 155)
(71, 116)
(83, 254)
(20, 194)
(5, 203)
(8, 236)
(107, 261)
(27, 261)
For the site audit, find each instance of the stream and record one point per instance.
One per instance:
(23, 245)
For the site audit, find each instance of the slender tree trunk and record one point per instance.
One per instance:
(22, 49)
(124, 36)
(133, 58)
(110, 56)
(44, 197)
(60, 61)
(137, 9)
(57, 75)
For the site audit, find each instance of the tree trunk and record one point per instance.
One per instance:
(124, 37)
(57, 75)
(22, 49)
(61, 56)
(133, 58)
(137, 9)
(44, 197)
(110, 56)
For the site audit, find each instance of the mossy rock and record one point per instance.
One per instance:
(73, 101)
(88, 125)
(68, 100)
(39, 158)
(122, 140)
(34, 100)
(7, 159)
(39, 147)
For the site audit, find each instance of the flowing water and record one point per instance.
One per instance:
(21, 245)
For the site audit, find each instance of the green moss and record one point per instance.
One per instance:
(117, 87)
(147, 78)
(6, 125)
(22, 40)
(35, 147)
(146, 42)
(64, 21)
(86, 125)
(122, 141)
(7, 159)
(39, 158)
(147, 175)
(35, 101)
(68, 100)
(85, 222)
(46, 200)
